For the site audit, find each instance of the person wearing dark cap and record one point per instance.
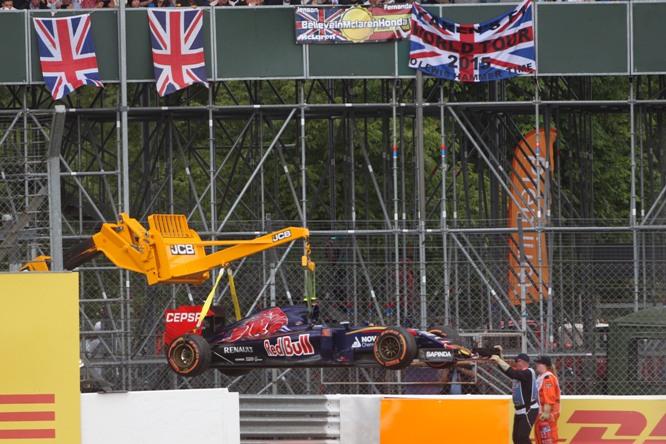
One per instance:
(549, 400)
(524, 393)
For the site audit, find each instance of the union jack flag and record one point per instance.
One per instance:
(497, 49)
(178, 55)
(67, 54)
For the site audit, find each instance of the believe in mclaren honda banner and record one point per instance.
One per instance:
(355, 24)
(497, 49)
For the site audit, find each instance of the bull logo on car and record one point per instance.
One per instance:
(287, 347)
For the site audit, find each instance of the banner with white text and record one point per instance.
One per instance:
(496, 49)
(357, 24)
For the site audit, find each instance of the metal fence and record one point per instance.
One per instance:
(356, 283)
(457, 275)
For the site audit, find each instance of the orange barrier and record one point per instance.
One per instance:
(454, 420)
(485, 420)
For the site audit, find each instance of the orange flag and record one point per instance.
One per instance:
(524, 202)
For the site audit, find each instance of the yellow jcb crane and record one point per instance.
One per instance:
(169, 251)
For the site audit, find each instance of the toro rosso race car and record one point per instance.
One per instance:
(286, 337)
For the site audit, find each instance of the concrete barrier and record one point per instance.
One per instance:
(160, 417)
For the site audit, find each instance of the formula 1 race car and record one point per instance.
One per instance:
(286, 337)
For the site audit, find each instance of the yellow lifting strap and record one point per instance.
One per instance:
(234, 296)
(310, 287)
(209, 301)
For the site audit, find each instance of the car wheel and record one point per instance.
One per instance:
(189, 355)
(395, 348)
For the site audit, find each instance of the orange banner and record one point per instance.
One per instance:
(489, 420)
(454, 420)
(524, 202)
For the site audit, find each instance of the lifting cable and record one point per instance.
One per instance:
(206, 305)
(310, 281)
(234, 296)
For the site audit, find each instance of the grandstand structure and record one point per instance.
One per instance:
(404, 181)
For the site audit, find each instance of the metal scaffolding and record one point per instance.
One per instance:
(404, 184)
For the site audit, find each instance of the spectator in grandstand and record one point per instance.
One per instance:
(161, 4)
(525, 396)
(227, 3)
(36, 4)
(105, 4)
(549, 400)
(70, 4)
(280, 2)
(8, 5)
(133, 3)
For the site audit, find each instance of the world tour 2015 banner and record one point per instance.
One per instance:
(496, 49)
(357, 24)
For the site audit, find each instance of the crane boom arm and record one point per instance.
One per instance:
(171, 252)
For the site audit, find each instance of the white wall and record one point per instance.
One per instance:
(160, 417)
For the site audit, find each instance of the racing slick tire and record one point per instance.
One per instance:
(189, 355)
(395, 348)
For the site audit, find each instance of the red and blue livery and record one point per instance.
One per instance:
(287, 337)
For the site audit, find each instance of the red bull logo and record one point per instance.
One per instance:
(287, 347)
